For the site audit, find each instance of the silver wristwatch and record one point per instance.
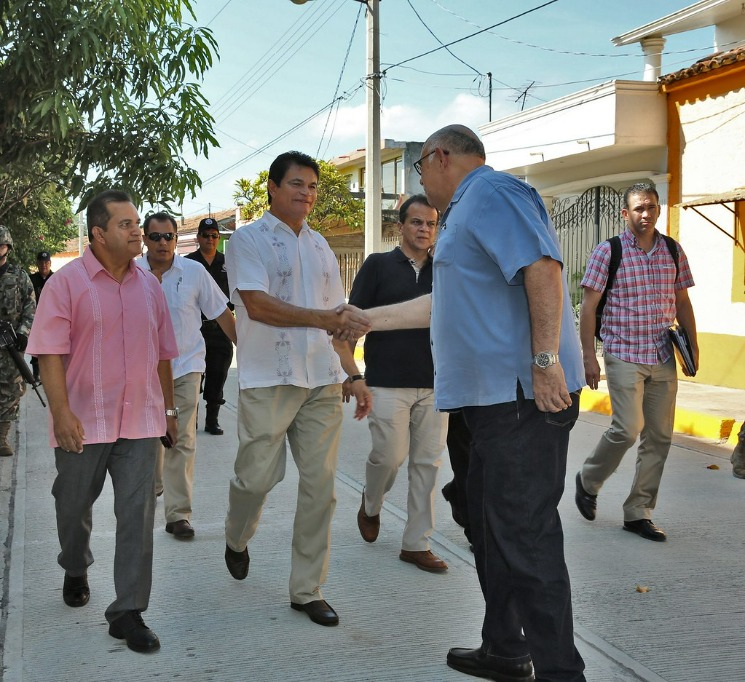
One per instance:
(172, 413)
(545, 360)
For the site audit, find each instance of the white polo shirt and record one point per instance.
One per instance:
(190, 291)
(301, 270)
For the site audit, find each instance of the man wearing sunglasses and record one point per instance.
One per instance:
(219, 347)
(191, 293)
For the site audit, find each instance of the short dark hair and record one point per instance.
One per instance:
(282, 163)
(97, 214)
(160, 215)
(416, 199)
(639, 188)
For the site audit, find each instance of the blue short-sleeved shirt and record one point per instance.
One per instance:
(494, 226)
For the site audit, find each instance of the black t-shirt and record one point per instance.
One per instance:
(216, 269)
(38, 281)
(395, 359)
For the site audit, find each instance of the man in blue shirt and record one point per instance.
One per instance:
(506, 352)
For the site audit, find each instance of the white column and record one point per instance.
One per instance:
(652, 58)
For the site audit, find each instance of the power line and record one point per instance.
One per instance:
(219, 12)
(309, 31)
(472, 35)
(338, 82)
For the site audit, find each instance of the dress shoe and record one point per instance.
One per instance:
(75, 590)
(214, 428)
(319, 611)
(369, 525)
(424, 560)
(646, 529)
(182, 530)
(475, 662)
(450, 496)
(237, 562)
(139, 636)
(586, 503)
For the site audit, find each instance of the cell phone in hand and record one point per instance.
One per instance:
(166, 440)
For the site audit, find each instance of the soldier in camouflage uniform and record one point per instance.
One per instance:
(17, 306)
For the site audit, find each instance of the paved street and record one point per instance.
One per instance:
(396, 622)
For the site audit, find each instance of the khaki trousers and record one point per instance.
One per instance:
(403, 422)
(174, 467)
(311, 420)
(643, 403)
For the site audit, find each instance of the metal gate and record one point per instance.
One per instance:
(582, 222)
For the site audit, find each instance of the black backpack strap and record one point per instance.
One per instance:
(615, 261)
(672, 247)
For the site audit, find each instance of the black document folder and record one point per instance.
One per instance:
(682, 346)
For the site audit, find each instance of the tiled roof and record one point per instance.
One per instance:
(706, 64)
(225, 218)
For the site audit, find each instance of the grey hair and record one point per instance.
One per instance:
(457, 139)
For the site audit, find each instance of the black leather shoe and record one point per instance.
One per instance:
(586, 503)
(646, 529)
(139, 636)
(319, 611)
(237, 562)
(75, 590)
(181, 530)
(449, 494)
(214, 429)
(475, 662)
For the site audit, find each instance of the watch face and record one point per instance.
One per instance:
(544, 360)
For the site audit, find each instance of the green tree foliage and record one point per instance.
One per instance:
(99, 94)
(44, 223)
(335, 204)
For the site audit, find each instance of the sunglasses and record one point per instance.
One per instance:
(157, 236)
(212, 235)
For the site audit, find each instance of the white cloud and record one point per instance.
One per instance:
(403, 121)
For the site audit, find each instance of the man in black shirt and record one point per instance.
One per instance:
(399, 372)
(219, 347)
(39, 279)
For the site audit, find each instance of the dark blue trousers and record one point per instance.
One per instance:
(515, 482)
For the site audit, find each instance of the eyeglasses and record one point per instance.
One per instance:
(157, 236)
(212, 235)
(418, 164)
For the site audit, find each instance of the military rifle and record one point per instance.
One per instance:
(8, 341)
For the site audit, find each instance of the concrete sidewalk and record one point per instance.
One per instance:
(396, 622)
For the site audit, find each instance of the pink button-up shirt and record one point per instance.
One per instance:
(111, 337)
(641, 303)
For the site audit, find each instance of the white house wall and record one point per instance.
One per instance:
(712, 162)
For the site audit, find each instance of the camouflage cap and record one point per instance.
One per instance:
(5, 236)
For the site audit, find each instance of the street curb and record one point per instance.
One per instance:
(688, 422)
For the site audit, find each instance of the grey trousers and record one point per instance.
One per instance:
(80, 479)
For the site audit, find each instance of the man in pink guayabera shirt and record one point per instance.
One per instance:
(104, 339)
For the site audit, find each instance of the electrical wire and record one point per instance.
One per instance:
(473, 35)
(219, 12)
(338, 83)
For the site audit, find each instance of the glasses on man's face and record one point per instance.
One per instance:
(418, 164)
(212, 235)
(157, 236)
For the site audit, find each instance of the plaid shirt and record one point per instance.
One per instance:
(641, 303)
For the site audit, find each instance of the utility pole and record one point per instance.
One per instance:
(374, 181)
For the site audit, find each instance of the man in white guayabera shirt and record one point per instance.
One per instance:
(284, 281)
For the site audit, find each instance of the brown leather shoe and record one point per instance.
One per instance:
(182, 529)
(369, 525)
(424, 560)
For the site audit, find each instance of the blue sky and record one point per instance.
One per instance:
(280, 64)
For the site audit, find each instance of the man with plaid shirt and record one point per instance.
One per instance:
(648, 293)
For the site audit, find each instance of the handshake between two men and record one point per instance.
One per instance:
(351, 322)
